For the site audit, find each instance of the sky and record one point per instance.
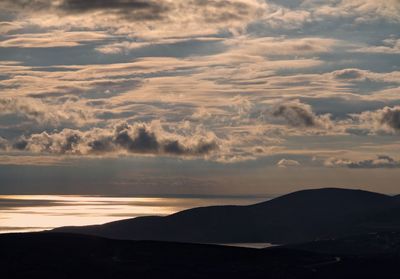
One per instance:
(198, 97)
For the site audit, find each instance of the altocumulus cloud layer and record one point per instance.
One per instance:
(219, 80)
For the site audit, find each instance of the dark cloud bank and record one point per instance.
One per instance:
(387, 118)
(138, 138)
(391, 117)
(298, 114)
(136, 10)
(132, 9)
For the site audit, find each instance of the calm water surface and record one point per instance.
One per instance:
(21, 213)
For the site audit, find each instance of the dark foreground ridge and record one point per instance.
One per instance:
(297, 217)
(61, 255)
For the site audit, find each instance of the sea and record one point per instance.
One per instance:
(27, 213)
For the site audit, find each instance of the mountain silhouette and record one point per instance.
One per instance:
(297, 217)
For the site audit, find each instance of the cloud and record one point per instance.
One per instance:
(279, 17)
(390, 117)
(34, 110)
(6, 27)
(385, 119)
(136, 10)
(270, 46)
(360, 11)
(349, 74)
(185, 61)
(285, 163)
(297, 114)
(381, 161)
(53, 39)
(82, 6)
(165, 18)
(139, 138)
(156, 18)
(126, 46)
(354, 74)
(390, 46)
(4, 144)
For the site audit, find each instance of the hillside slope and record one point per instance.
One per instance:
(300, 216)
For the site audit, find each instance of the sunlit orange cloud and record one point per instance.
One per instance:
(228, 82)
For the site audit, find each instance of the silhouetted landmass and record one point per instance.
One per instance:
(297, 217)
(329, 233)
(61, 255)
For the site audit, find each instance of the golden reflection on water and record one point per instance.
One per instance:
(20, 213)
